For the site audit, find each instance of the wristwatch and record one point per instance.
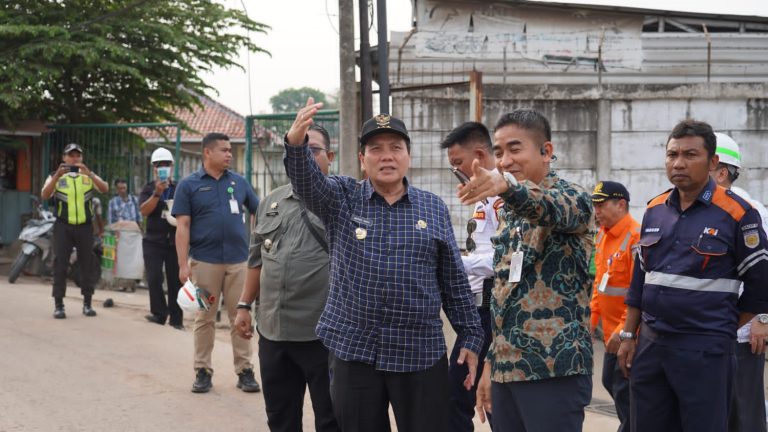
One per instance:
(511, 181)
(624, 335)
(243, 305)
(762, 318)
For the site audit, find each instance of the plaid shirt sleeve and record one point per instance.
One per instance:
(455, 291)
(321, 194)
(113, 210)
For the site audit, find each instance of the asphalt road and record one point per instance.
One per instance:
(117, 372)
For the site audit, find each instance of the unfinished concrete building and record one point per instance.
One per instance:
(612, 80)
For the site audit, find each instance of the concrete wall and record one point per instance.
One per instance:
(639, 121)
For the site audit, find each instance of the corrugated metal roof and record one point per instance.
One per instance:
(670, 9)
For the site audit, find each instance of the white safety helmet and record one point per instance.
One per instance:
(162, 155)
(728, 150)
(192, 298)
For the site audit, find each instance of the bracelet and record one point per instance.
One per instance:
(243, 305)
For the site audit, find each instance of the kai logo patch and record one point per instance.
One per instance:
(751, 238)
(710, 231)
(707, 195)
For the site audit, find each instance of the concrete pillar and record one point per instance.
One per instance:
(603, 150)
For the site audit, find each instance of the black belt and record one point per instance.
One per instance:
(487, 287)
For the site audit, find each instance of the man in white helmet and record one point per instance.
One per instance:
(748, 406)
(160, 241)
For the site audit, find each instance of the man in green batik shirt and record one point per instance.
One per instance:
(538, 375)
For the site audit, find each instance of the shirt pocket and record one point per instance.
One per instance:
(648, 241)
(708, 248)
(267, 233)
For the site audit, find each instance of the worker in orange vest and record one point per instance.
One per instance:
(618, 233)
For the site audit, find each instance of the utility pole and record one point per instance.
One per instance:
(383, 52)
(348, 121)
(366, 89)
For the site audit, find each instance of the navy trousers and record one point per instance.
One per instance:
(748, 402)
(547, 405)
(680, 389)
(463, 401)
(618, 387)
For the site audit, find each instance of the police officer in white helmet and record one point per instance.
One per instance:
(160, 241)
(748, 406)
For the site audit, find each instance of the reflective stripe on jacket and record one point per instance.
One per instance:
(613, 255)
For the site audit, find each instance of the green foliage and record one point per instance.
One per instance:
(292, 99)
(80, 61)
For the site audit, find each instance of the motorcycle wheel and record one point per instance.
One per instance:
(18, 266)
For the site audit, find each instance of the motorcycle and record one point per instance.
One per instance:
(37, 237)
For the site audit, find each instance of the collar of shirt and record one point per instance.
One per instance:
(621, 226)
(202, 173)
(368, 191)
(705, 197)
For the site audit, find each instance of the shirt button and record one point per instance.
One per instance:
(677, 241)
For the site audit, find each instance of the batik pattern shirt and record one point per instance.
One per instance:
(541, 323)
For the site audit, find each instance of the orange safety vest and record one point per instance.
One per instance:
(613, 255)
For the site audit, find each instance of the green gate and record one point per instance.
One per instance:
(113, 150)
(264, 136)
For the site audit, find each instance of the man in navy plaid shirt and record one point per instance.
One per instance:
(394, 263)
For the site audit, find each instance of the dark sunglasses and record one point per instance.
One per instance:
(471, 227)
(163, 164)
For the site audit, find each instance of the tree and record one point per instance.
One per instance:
(113, 60)
(292, 99)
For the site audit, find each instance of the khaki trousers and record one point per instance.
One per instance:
(221, 280)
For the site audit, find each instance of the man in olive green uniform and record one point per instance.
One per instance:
(73, 187)
(288, 272)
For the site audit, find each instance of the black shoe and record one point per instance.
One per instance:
(58, 313)
(247, 382)
(154, 319)
(202, 381)
(178, 326)
(88, 311)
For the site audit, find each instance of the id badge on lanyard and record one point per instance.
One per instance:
(516, 262)
(234, 206)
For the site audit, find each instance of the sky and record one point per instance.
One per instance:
(304, 44)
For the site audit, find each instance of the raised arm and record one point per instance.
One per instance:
(320, 193)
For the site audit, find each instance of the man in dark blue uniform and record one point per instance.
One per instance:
(698, 243)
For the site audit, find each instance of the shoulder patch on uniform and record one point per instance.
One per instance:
(731, 203)
(659, 199)
(752, 238)
(499, 203)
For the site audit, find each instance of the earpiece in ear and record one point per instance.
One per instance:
(542, 151)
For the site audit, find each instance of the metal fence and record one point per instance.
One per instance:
(432, 99)
(264, 137)
(113, 151)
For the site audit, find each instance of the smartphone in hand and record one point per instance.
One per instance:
(74, 168)
(463, 178)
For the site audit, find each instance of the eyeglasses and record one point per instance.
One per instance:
(163, 164)
(317, 150)
(471, 227)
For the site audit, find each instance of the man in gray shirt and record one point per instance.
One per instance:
(288, 272)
